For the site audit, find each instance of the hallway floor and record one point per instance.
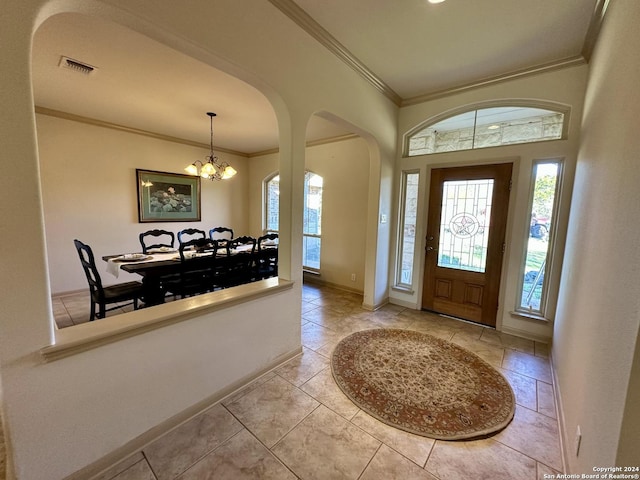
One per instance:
(295, 422)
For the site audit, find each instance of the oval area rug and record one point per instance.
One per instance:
(422, 384)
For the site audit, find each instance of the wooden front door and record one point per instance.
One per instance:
(466, 228)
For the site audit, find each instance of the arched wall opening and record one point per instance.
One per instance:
(358, 190)
(347, 158)
(185, 365)
(87, 151)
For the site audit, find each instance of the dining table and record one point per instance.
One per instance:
(159, 264)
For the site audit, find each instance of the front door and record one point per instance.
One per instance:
(466, 228)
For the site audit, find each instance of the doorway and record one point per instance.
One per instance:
(466, 226)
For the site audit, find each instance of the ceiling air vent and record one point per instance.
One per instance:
(70, 63)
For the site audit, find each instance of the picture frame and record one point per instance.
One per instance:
(167, 197)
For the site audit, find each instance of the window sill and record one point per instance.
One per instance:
(530, 316)
(86, 336)
(399, 288)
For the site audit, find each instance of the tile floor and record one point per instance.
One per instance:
(74, 309)
(295, 423)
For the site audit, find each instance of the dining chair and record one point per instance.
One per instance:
(196, 275)
(221, 233)
(240, 261)
(266, 262)
(100, 295)
(156, 239)
(190, 234)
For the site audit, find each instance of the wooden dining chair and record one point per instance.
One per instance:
(102, 296)
(196, 275)
(240, 262)
(156, 239)
(221, 233)
(190, 234)
(266, 257)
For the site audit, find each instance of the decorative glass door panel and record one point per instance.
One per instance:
(464, 224)
(466, 228)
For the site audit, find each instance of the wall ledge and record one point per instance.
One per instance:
(80, 338)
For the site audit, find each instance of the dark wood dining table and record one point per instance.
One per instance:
(154, 272)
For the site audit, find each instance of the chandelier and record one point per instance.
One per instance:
(212, 168)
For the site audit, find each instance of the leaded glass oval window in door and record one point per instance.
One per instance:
(464, 224)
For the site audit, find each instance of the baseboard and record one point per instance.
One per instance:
(563, 434)
(377, 306)
(317, 280)
(403, 303)
(70, 292)
(139, 443)
(524, 334)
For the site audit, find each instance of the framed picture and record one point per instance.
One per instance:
(167, 197)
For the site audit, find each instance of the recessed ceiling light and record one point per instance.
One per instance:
(436, 1)
(493, 127)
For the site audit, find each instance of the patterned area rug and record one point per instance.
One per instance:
(422, 384)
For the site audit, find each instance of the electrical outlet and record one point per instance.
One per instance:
(578, 440)
(353, 277)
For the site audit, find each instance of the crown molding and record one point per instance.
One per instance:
(159, 136)
(310, 143)
(313, 28)
(595, 25)
(525, 72)
(136, 131)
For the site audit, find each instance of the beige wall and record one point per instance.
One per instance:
(88, 177)
(89, 192)
(344, 166)
(596, 348)
(564, 87)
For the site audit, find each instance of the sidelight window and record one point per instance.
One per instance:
(407, 233)
(534, 284)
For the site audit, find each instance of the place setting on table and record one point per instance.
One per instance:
(163, 254)
(159, 264)
(117, 262)
(154, 267)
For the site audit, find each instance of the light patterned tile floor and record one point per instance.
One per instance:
(74, 309)
(296, 423)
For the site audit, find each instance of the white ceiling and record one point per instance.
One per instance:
(414, 47)
(419, 48)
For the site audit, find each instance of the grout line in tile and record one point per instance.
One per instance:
(518, 451)
(296, 425)
(144, 456)
(371, 459)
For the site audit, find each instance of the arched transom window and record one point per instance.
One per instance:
(488, 127)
